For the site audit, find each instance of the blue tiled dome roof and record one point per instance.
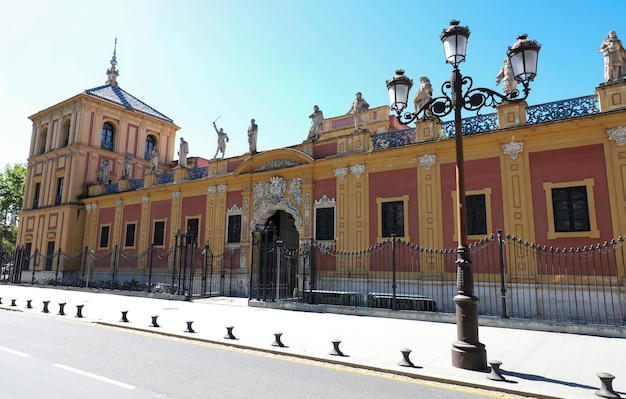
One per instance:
(118, 96)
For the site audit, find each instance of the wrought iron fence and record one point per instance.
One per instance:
(512, 278)
(184, 269)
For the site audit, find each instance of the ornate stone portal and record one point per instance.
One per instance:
(268, 199)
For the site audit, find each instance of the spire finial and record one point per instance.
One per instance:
(112, 73)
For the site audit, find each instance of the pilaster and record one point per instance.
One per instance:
(517, 204)
(144, 233)
(429, 211)
(117, 231)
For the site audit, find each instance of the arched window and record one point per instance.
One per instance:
(150, 144)
(108, 132)
(43, 139)
(66, 133)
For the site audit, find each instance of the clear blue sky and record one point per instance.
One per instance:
(272, 60)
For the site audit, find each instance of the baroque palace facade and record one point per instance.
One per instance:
(553, 174)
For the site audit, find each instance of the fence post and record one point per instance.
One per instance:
(279, 250)
(114, 267)
(312, 280)
(251, 283)
(84, 268)
(502, 280)
(192, 266)
(56, 273)
(150, 268)
(32, 279)
(174, 263)
(394, 286)
(204, 266)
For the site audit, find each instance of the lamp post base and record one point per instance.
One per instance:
(467, 352)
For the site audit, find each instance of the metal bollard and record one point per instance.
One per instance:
(79, 311)
(189, 328)
(29, 304)
(336, 351)
(61, 309)
(13, 302)
(495, 373)
(277, 340)
(124, 318)
(45, 307)
(229, 333)
(606, 386)
(154, 321)
(406, 362)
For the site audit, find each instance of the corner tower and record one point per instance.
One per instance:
(102, 135)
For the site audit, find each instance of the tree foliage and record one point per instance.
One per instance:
(11, 194)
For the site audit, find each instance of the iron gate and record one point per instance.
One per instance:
(276, 270)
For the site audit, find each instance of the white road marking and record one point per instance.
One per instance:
(14, 352)
(94, 376)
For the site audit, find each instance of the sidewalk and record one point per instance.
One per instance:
(535, 364)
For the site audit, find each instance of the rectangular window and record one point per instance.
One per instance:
(234, 228)
(571, 210)
(129, 240)
(476, 214)
(37, 193)
(104, 236)
(325, 223)
(392, 214)
(59, 196)
(192, 231)
(159, 233)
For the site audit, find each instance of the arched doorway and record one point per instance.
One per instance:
(285, 227)
(276, 261)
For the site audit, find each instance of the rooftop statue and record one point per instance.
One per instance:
(222, 139)
(359, 106)
(423, 95)
(614, 57)
(317, 122)
(182, 152)
(253, 129)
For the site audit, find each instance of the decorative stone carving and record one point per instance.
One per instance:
(307, 211)
(222, 188)
(88, 207)
(341, 172)
(211, 190)
(277, 164)
(245, 212)
(513, 148)
(176, 195)
(269, 207)
(145, 199)
(324, 202)
(235, 210)
(118, 203)
(427, 160)
(357, 170)
(259, 194)
(295, 190)
(617, 133)
(275, 188)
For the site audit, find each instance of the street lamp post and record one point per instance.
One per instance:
(467, 351)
